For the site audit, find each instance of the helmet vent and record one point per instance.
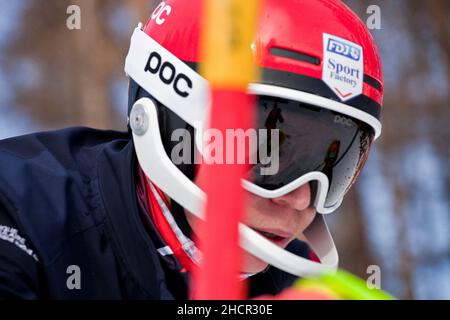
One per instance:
(295, 55)
(372, 82)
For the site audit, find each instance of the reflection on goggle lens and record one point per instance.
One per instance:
(311, 139)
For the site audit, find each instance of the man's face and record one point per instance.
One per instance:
(280, 219)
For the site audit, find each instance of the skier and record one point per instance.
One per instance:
(91, 214)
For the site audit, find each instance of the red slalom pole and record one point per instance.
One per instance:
(228, 65)
(218, 276)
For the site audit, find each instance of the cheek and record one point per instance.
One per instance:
(255, 210)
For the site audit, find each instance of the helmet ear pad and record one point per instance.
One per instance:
(168, 123)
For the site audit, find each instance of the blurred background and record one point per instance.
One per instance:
(397, 216)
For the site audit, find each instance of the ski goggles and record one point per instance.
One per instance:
(321, 141)
(314, 143)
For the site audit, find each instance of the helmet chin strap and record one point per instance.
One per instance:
(162, 172)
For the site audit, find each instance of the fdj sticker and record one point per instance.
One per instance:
(345, 49)
(343, 66)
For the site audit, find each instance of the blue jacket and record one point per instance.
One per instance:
(68, 198)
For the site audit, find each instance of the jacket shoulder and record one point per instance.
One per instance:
(48, 183)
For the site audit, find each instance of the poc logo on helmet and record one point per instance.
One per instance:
(168, 74)
(344, 49)
(161, 9)
(343, 120)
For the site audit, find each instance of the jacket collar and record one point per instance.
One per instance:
(138, 255)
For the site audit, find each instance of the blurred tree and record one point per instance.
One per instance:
(414, 42)
(65, 77)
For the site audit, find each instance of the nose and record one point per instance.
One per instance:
(299, 199)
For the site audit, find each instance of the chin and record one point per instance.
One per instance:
(253, 264)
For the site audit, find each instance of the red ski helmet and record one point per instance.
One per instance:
(288, 45)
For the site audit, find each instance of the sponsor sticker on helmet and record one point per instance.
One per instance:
(168, 79)
(161, 12)
(343, 66)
